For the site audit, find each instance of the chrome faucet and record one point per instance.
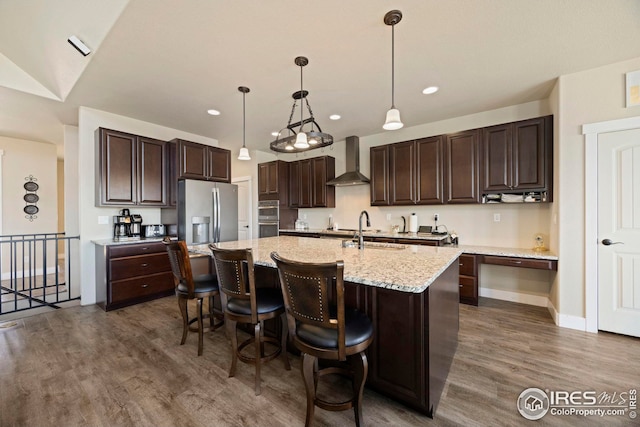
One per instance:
(360, 236)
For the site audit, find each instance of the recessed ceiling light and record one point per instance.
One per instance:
(335, 117)
(430, 90)
(213, 112)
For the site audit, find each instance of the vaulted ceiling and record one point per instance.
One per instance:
(168, 61)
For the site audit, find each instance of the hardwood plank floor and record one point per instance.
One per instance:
(83, 367)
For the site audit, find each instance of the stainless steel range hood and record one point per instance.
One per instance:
(352, 161)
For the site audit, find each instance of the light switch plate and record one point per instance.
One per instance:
(103, 219)
(496, 217)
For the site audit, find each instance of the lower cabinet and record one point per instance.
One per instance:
(132, 273)
(468, 270)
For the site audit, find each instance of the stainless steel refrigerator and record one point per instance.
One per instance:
(207, 212)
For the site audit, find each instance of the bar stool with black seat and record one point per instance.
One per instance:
(244, 303)
(322, 328)
(189, 288)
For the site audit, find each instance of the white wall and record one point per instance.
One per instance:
(89, 121)
(591, 96)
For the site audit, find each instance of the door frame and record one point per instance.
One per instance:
(249, 181)
(591, 132)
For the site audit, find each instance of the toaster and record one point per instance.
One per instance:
(153, 230)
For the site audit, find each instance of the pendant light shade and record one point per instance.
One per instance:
(244, 152)
(393, 121)
(295, 137)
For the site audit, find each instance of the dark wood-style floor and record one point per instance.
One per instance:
(84, 367)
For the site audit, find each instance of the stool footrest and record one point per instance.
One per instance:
(265, 357)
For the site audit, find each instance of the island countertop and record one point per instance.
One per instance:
(405, 268)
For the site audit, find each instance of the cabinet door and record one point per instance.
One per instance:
(294, 184)
(272, 178)
(152, 173)
(323, 169)
(306, 189)
(529, 154)
(429, 171)
(172, 173)
(496, 150)
(263, 180)
(117, 168)
(402, 172)
(462, 167)
(193, 160)
(379, 170)
(219, 164)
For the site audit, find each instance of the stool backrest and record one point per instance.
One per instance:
(313, 294)
(180, 264)
(235, 275)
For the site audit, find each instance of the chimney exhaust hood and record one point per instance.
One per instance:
(352, 161)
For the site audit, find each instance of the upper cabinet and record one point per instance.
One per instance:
(407, 173)
(299, 184)
(517, 156)
(273, 181)
(131, 170)
(509, 162)
(204, 162)
(462, 167)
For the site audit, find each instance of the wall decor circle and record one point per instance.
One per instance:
(31, 198)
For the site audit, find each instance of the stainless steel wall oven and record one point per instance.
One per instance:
(268, 218)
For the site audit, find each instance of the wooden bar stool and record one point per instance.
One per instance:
(244, 303)
(322, 329)
(189, 287)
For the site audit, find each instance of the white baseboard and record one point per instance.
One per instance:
(537, 300)
(27, 273)
(566, 320)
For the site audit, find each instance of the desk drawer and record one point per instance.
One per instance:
(126, 268)
(540, 264)
(468, 288)
(136, 249)
(130, 289)
(468, 265)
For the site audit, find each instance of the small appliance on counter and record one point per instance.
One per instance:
(153, 230)
(126, 225)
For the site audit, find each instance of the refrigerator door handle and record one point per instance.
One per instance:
(217, 215)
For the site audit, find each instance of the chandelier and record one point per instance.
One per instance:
(290, 140)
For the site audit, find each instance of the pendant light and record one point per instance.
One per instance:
(297, 141)
(244, 152)
(393, 121)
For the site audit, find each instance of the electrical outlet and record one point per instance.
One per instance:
(388, 217)
(435, 217)
(304, 216)
(496, 217)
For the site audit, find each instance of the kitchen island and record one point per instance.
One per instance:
(410, 293)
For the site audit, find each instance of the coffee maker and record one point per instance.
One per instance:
(126, 225)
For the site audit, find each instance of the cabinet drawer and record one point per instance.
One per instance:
(541, 264)
(468, 265)
(125, 268)
(124, 290)
(418, 242)
(136, 249)
(468, 287)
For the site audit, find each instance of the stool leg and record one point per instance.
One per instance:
(211, 318)
(231, 331)
(200, 327)
(308, 375)
(285, 335)
(259, 351)
(360, 368)
(182, 304)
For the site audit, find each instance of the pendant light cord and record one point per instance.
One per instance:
(301, 93)
(244, 120)
(393, 66)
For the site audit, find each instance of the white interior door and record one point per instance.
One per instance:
(619, 232)
(244, 208)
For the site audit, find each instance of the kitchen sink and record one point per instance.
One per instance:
(373, 245)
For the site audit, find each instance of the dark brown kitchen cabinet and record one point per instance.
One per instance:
(379, 172)
(462, 167)
(273, 181)
(308, 183)
(132, 273)
(204, 162)
(468, 277)
(517, 156)
(430, 171)
(131, 170)
(402, 173)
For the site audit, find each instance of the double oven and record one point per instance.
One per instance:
(268, 218)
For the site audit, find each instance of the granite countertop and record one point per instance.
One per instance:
(508, 252)
(127, 241)
(407, 268)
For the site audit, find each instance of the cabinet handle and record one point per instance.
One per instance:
(516, 262)
(145, 286)
(144, 264)
(145, 249)
(460, 264)
(460, 285)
